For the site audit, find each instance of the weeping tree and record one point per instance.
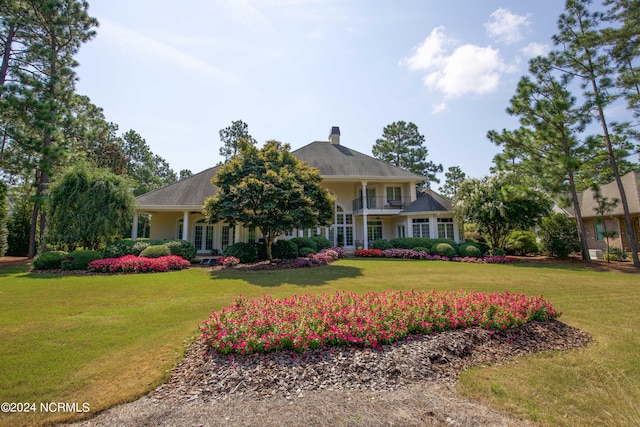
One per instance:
(87, 207)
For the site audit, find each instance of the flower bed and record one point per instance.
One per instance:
(312, 321)
(412, 254)
(135, 264)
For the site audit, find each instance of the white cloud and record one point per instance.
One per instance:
(535, 49)
(439, 107)
(468, 69)
(146, 46)
(507, 27)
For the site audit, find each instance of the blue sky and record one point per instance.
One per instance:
(178, 72)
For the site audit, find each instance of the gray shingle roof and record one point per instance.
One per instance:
(189, 192)
(429, 201)
(631, 185)
(331, 160)
(340, 161)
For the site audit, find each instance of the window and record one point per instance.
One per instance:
(401, 231)
(251, 235)
(394, 193)
(228, 235)
(445, 228)
(420, 227)
(180, 226)
(343, 227)
(197, 237)
(289, 233)
(371, 198)
(599, 231)
(208, 242)
(374, 230)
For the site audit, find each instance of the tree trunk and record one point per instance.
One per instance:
(580, 223)
(4, 67)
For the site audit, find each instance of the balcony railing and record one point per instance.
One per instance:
(379, 203)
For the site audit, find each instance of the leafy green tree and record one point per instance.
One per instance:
(231, 138)
(185, 173)
(583, 55)
(42, 85)
(547, 145)
(271, 190)
(402, 145)
(147, 171)
(87, 207)
(558, 235)
(624, 36)
(18, 227)
(499, 205)
(454, 177)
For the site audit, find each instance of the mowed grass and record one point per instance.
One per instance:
(110, 339)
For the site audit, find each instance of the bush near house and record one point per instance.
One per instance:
(284, 249)
(136, 264)
(443, 249)
(49, 260)
(381, 244)
(322, 243)
(245, 252)
(469, 249)
(155, 251)
(305, 252)
(522, 243)
(182, 248)
(304, 242)
(79, 260)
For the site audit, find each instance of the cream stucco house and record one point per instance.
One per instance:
(373, 200)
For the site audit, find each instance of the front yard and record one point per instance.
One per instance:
(104, 340)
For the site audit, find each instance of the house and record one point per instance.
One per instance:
(614, 220)
(373, 200)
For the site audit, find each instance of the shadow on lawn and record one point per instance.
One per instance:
(312, 276)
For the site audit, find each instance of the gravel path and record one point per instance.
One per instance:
(406, 383)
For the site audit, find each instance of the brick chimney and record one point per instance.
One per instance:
(334, 137)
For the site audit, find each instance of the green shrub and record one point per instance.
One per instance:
(443, 249)
(49, 260)
(245, 252)
(559, 235)
(615, 254)
(381, 244)
(139, 246)
(306, 251)
(522, 243)
(422, 249)
(182, 248)
(284, 249)
(496, 252)
(304, 242)
(410, 242)
(78, 260)
(261, 249)
(469, 249)
(423, 242)
(321, 243)
(155, 251)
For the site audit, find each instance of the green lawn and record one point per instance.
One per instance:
(109, 339)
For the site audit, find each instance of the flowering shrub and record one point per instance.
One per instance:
(135, 264)
(413, 254)
(369, 253)
(327, 256)
(313, 321)
(340, 251)
(229, 261)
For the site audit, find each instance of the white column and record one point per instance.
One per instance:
(409, 232)
(185, 226)
(134, 227)
(364, 215)
(433, 227)
(236, 234)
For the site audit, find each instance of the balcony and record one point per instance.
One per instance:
(379, 204)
